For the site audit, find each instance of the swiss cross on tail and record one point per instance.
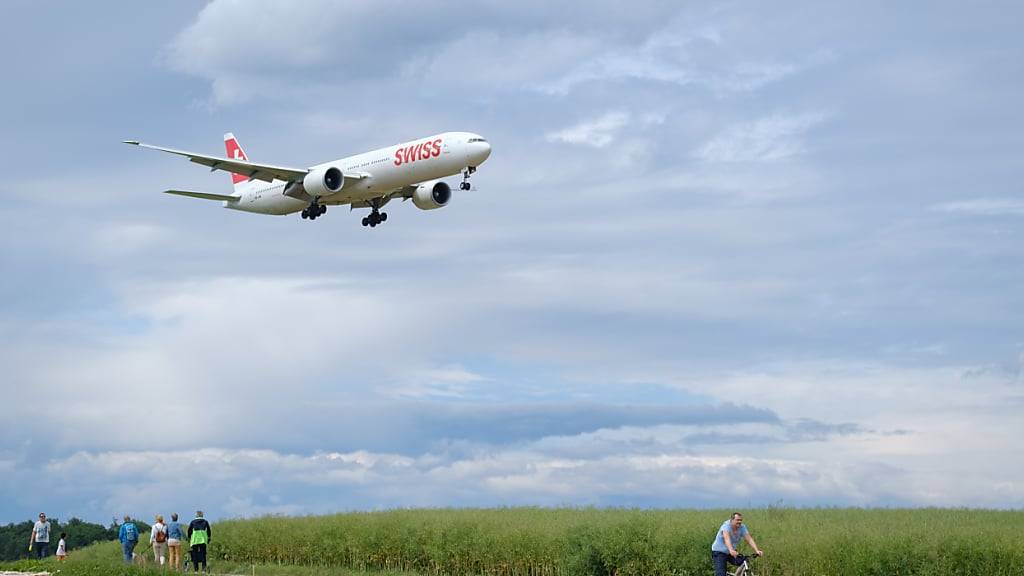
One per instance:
(235, 153)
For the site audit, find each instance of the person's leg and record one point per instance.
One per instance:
(126, 549)
(718, 561)
(172, 555)
(45, 549)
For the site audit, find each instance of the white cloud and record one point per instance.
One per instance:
(687, 52)
(597, 133)
(453, 381)
(983, 207)
(769, 139)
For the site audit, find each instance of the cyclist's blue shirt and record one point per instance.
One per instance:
(736, 537)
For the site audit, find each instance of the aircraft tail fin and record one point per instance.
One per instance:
(235, 152)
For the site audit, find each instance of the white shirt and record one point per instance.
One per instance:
(158, 527)
(42, 531)
(61, 550)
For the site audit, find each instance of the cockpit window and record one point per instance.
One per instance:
(471, 140)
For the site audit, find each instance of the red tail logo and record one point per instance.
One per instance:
(235, 153)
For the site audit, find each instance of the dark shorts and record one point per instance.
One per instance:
(718, 560)
(42, 549)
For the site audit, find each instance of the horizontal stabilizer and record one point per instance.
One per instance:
(203, 195)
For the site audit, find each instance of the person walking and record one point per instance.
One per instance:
(129, 537)
(199, 535)
(175, 534)
(62, 547)
(158, 540)
(40, 537)
(727, 542)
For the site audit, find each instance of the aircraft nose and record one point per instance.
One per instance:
(481, 151)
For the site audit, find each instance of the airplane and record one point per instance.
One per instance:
(410, 170)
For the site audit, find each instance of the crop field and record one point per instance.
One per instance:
(618, 542)
(535, 541)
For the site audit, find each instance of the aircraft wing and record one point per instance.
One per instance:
(203, 195)
(252, 170)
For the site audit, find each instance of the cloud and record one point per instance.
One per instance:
(694, 49)
(698, 248)
(597, 133)
(983, 207)
(769, 139)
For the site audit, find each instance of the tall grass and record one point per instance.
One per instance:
(571, 542)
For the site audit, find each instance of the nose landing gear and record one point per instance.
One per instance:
(464, 185)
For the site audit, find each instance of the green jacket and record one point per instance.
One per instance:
(199, 532)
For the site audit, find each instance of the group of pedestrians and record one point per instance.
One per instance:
(167, 539)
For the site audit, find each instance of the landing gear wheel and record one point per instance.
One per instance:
(366, 220)
(383, 216)
(313, 210)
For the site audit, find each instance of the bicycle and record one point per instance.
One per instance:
(744, 569)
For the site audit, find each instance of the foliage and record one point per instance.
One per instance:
(555, 542)
(571, 542)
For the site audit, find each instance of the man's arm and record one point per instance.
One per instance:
(209, 532)
(728, 543)
(32, 536)
(750, 540)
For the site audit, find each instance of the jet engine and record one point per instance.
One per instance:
(323, 181)
(431, 195)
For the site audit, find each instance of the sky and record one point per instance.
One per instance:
(723, 254)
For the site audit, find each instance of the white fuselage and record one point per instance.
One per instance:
(385, 170)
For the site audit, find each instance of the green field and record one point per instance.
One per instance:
(535, 541)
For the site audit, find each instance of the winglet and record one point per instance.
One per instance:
(135, 142)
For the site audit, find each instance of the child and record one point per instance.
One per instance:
(62, 551)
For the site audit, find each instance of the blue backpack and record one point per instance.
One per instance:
(131, 533)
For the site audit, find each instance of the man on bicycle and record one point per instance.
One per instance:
(728, 540)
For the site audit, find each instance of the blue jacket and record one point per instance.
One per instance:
(174, 530)
(128, 533)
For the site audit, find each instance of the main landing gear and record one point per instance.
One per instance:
(376, 216)
(464, 185)
(314, 210)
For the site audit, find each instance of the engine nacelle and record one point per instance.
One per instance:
(431, 195)
(323, 181)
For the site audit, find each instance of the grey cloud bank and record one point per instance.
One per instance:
(781, 243)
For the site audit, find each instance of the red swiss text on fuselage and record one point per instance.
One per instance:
(420, 151)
